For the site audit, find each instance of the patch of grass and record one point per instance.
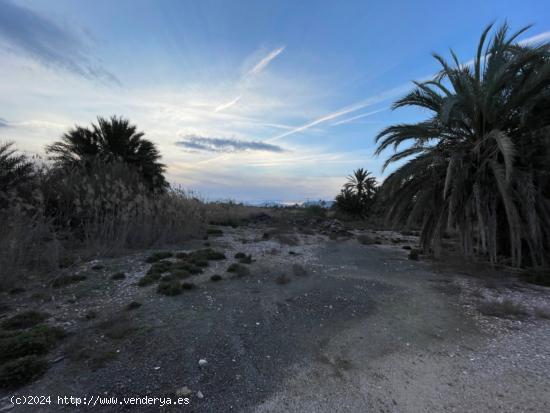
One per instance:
(216, 277)
(118, 276)
(282, 279)
(188, 286)
(169, 288)
(64, 280)
(35, 341)
(24, 320)
(299, 270)
(414, 254)
(238, 269)
(133, 305)
(214, 231)
(21, 371)
(157, 256)
(502, 308)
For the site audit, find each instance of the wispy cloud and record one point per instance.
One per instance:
(363, 115)
(226, 105)
(27, 32)
(4, 123)
(226, 145)
(388, 94)
(263, 63)
(256, 70)
(541, 37)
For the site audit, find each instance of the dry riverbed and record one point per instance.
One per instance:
(316, 324)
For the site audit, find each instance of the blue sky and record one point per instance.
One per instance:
(248, 100)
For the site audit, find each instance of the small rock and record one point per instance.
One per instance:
(183, 391)
(200, 395)
(202, 362)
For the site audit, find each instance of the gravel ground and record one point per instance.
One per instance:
(365, 329)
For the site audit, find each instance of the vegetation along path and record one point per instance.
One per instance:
(305, 323)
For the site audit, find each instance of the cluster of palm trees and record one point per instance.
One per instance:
(480, 164)
(358, 194)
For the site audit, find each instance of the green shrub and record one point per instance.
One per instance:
(64, 280)
(24, 320)
(21, 371)
(148, 279)
(216, 277)
(243, 258)
(188, 286)
(238, 269)
(157, 256)
(214, 231)
(36, 341)
(118, 276)
(133, 305)
(160, 267)
(97, 267)
(282, 279)
(171, 287)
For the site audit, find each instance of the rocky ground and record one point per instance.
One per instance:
(328, 319)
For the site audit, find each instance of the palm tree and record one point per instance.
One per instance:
(15, 169)
(481, 161)
(110, 140)
(362, 183)
(357, 195)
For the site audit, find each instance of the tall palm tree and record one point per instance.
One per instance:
(362, 183)
(110, 140)
(481, 161)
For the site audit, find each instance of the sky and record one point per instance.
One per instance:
(246, 100)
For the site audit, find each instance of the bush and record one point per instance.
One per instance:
(118, 276)
(214, 231)
(188, 286)
(36, 341)
(24, 320)
(282, 279)
(216, 277)
(64, 280)
(238, 269)
(243, 258)
(133, 305)
(171, 287)
(157, 256)
(21, 371)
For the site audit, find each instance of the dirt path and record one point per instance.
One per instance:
(364, 329)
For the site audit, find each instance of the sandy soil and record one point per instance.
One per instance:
(364, 329)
